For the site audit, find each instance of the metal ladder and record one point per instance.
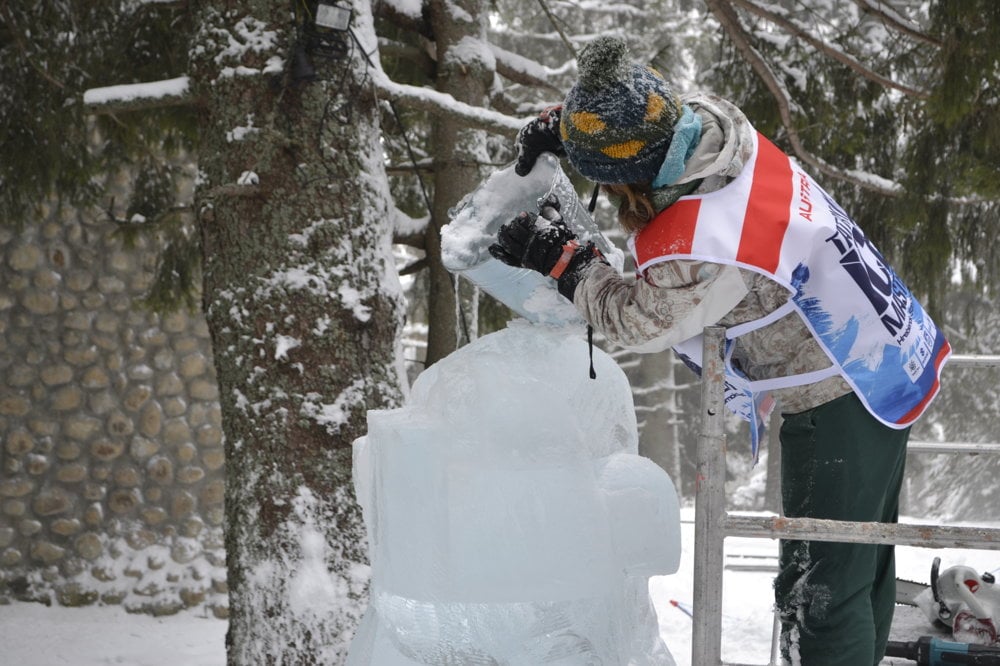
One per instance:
(713, 523)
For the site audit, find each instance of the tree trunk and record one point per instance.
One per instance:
(465, 71)
(304, 308)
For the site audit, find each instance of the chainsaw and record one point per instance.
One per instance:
(961, 600)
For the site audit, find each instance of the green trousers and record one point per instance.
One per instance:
(836, 600)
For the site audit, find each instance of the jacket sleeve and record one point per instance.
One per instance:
(675, 301)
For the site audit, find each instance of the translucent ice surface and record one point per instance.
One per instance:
(510, 519)
(473, 227)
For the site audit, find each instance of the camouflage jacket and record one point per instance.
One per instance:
(675, 300)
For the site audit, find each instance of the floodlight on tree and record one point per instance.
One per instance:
(327, 35)
(333, 17)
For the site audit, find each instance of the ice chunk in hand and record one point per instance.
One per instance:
(510, 519)
(477, 218)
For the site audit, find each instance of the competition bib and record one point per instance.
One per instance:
(776, 220)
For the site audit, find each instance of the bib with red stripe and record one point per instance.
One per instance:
(776, 220)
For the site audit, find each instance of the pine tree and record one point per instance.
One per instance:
(50, 53)
(303, 307)
(294, 233)
(891, 105)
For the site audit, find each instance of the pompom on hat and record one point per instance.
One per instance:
(617, 121)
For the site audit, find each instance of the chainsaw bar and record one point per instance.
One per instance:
(908, 590)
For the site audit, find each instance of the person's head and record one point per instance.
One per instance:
(617, 120)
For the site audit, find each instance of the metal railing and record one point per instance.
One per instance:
(713, 523)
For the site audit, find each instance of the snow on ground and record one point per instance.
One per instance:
(747, 618)
(35, 635)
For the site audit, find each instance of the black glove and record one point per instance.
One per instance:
(541, 135)
(544, 243)
(534, 241)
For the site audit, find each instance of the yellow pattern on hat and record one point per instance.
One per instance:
(618, 119)
(624, 150)
(587, 122)
(655, 104)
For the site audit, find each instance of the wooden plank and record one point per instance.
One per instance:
(815, 529)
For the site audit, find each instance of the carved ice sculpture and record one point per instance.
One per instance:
(510, 519)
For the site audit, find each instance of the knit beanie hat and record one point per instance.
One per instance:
(617, 121)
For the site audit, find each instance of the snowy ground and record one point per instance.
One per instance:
(33, 635)
(747, 619)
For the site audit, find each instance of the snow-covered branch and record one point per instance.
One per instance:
(408, 16)
(727, 17)
(523, 70)
(511, 66)
(176, 92)
(435, 102)
(793, 27)
(892, 19)
(409, 230)
(136, 96)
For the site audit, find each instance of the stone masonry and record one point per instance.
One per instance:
(111, 458)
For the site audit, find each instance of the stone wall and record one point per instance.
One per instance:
(111, 459)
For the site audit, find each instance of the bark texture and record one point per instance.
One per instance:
(466, 68)
(304, 309)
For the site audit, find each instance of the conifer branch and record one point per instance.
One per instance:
(840, 56)
(503, 103)
(730, 22)
(139, 96)
(438, 103)
(511, 67)
(170, 212)
(896, 22)
(16, 33)
(558, 29)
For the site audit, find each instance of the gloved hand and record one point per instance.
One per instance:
(534, 241)
(544, 243)
(541, 135)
